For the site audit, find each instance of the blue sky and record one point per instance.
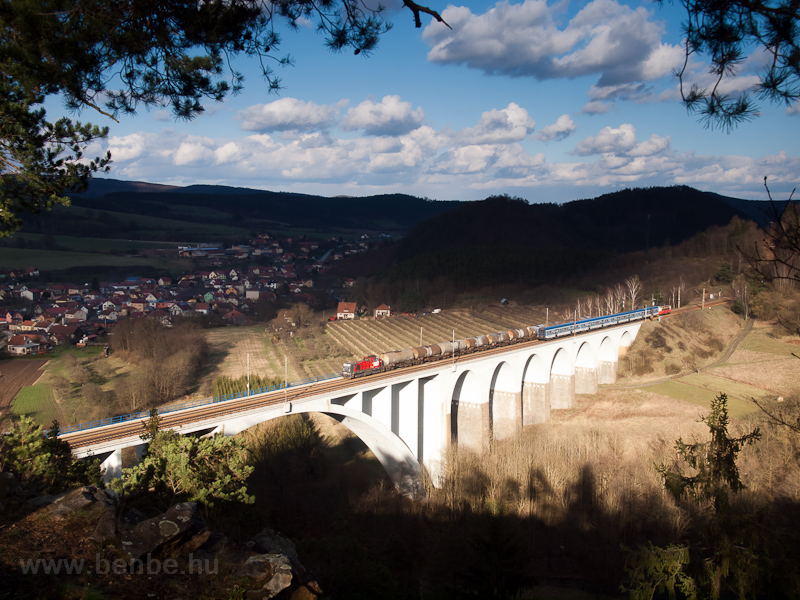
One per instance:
(545, 101)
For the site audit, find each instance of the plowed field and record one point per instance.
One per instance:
(14, 374)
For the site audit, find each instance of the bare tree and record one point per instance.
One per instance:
(608, 300)
(776, 257)
(619, 298)
(634, 287)
(741, 291)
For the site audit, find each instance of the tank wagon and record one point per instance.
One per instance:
(423, 354)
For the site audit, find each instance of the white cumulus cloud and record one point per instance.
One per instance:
(288, 114)
(560, 130)
(605, 38)
(610, 139)
(391, 116)
(510, 124)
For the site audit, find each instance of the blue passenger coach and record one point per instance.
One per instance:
(561, 329)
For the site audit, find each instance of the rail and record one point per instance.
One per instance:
(171, 408)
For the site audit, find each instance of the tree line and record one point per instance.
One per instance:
(167, 361)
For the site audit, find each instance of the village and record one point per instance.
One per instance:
(36, 317)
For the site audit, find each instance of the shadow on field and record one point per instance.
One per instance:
(505, 525)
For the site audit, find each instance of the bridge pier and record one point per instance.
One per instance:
(562, 391)
(472, 426)
(506, 414)
(433, 433)
(606, 371)
(585, 380)
(112, 465)
(535, 403)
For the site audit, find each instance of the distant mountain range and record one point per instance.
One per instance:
(631, 219)
(255, 210)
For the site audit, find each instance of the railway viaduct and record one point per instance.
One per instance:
(408, 417)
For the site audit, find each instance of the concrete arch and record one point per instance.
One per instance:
(562, 380)
(396, 458)
(625, 342)
(535, 391)
(469, 413)
(505, 403)
(607, 357)
(586, 370)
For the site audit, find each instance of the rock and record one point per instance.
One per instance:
(106, 528)
(304, 592)
(193, 543)
(149, 536)
(134, 516)
(314, 587)
(88, 497)
(275, 568)
(271, 542)
(39, 501)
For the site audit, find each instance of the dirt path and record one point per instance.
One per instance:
(14, 375)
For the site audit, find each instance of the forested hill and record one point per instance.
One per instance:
(503, 239)
(254, 210)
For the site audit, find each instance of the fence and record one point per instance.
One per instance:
(144, 414)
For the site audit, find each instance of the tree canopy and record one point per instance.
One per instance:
(117, 57)
(727, 31)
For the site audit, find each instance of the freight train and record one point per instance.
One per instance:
(421, 354)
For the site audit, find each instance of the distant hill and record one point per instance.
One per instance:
(139, 210)
(501, 239)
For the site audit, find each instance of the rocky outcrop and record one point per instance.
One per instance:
(268, 562)
(85, 498)
(169, 530)
(273, 572)
(276, 570)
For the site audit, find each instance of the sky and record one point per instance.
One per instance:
(546, 101)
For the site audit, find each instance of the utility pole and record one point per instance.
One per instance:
(420, 336)
(704, 298)
(679, 297)
(248, 373)
(454, 350)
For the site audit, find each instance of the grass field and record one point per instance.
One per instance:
(37, 401)
(94, 245)
(50, 260)
(701, 394)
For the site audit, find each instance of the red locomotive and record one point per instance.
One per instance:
(369, 364)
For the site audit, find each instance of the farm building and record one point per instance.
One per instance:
(346, 310)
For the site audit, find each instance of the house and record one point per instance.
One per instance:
(346, 310)
(383, 311)
(234, 317)
(26, 344)
(202, 307)
(161, 316)
(31, 294)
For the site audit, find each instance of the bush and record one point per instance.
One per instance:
(44, 462)
(672, 369)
